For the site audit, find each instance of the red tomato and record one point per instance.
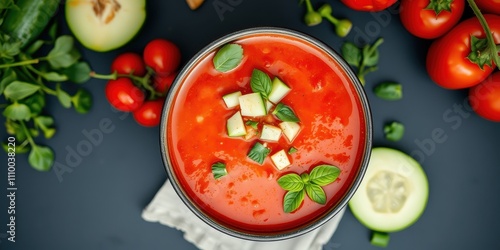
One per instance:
(423, 22)
(368, 5)
(489, 6)
(149, 113)
(162, 56)
(162, 83)
(124, 95)
(129, 63)
(447, 62)
(485, 98)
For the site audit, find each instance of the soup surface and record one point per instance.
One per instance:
(249, 197)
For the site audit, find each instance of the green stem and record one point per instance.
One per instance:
(38, 81)
(487, 30)
(309, 6)
(331, 19)
(28, 135)
(21, 63)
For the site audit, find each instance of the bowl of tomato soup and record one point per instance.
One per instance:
(266, 134)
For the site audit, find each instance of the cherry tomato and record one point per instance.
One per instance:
(129, 63)
(124, 95)
(447, 62)
(149, 113)
(427, 18)
(368, 5)
(485, 98)
(162, 83)
(162, 56)
(489, 6)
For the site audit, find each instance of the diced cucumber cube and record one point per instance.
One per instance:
(270, 133)
(235, 125)
(252, 105)
(280, 159)
(290, 130)
(231, 100)
(269, 105)
(278, 90)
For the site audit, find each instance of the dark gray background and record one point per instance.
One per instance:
(98, 205)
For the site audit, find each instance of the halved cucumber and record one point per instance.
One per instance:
(393, 193)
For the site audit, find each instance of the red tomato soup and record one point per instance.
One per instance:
(249, 197)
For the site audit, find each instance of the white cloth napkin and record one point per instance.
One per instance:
(168, 209)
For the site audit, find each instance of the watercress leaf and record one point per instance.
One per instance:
(258, 153)
(285, 113)
(82, 101)
(63, 97)
(64, 54)
(394, 131)
(219, 170)
(8, 76)
(316, 193)
(10, 49)
(45, 123)
(17, 112)
(17, 90)
(370, 58)
(17, 149)
(41, 158)
(13, 128)
(291, 182)
(390, 91)
(34, 47)
(54, 77)
(78, 72)
(228, 57)
(351, 53)
(261, 83)
(35, 102)
(324, 174)
(34, 132)
(293, 200)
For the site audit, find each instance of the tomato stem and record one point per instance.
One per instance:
(487, 30)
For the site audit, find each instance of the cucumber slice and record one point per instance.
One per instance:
(280, 159)
(270, 133)
(290, 130)
(252, 105)
(269, 105)
(235, 126)
(393, 193)
(278, 91)
(231, 100)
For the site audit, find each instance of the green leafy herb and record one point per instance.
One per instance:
(41, 158)
(292, 200)
(292, 150)
(18, 90)
(228, 57)
(390, 91)
(316, 193)
(252, 124)
(63, 97)
(82, 101)
(324, 174)
(78, 72)
(17, 112)
(219, 170)
(291, 182)
(285, 113)
(8, 77)
(64, 54)
(45, 123)
(261, 83)
(258, 153)
(351, 54)
(35, 102)
(394, 131)
(364, 59)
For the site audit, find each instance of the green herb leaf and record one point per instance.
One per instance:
(479, 53)
(17, 90)
(7, 4)
(292, 150)
(253, 124)
(35, 102)
(219, 170)
(17, 112)
(10, 49)
(258, 153)
(54, 77)
(316, 193)
(82, 101)
(228, 57)
(13, 128)
(41, 158)
(8, 77)
(292, 201)
(305, 178)
(324, 174)
(64, 54)
(78, 72)
(34, 47)
(351, 54)
(370, 56)
(285, 113)
(261, 83)
(390, 91)
(45, 123)
(17, 149)
(63, 97)
(53, 31)
(291, 182)
(394, 131)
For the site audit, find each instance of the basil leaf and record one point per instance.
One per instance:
(78, 72)
(228, 57)
(351, 54)
(64, 54)
(261, 83)
(8, 77)
(41, 158)
(54, 77)
(18, 90)
(394, 131)
(63, 97)
(292, 201)
(285, 113)
(82, 101)
(258, 153)
(252, 124)
(291, 182)
(324, 174)
(316, 193)
(390, 91)
(17, 111)
(219, 170)
(35, 102)
(292, 150)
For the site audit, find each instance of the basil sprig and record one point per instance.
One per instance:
(261, 83)
(258, 152)
(310, 184)
(285, 113)
(228, 57)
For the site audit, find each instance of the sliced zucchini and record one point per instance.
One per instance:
(393, 193)
(269, 105)
(252, 105)
(270, 133)
(280, 159)
(290, 130)
(235, 125)
(278, 91)
(231, 100)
